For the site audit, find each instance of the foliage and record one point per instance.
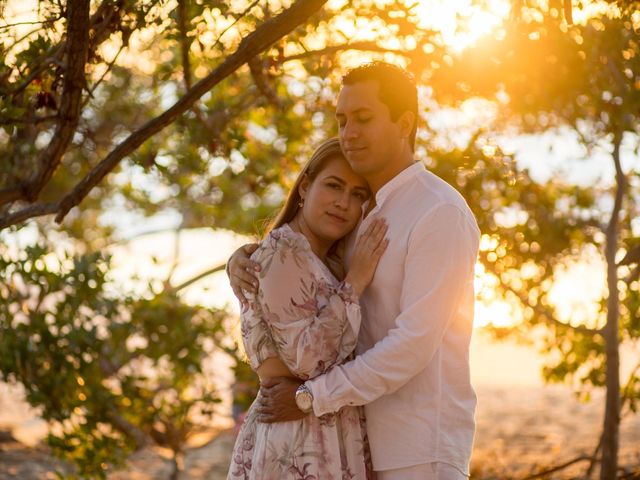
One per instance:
(148, 57)
(112, 371)
(584, 79)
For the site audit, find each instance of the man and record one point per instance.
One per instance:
(411, 371)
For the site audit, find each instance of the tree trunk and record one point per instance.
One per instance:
(175, 472)
(611, 428)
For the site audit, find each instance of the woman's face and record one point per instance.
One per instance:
(333, 200)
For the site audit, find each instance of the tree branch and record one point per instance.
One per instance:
(102, 77)
(184, 42)
(11, 194)
(41, 22)
(256, 42)
(200, 277)
(99, 20)
(545, 473)
(33, 120)
(362, 46)
(19, 40)
(568, 12)
(25, 189)
(20, 216)
(185, 46)
(257, 73)
(76, 51)
(128, 428)
(548, 317)
(53, 55)
(176, 254)
(611, 424)
(124, 241)
(594, 458)
(627, 392)
(236, 20)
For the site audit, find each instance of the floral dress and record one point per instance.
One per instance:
(303, 315)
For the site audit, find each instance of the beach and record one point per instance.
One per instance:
(523, 426)
(520, 431)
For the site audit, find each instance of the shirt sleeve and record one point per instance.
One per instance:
(314, 323)
(439, 267)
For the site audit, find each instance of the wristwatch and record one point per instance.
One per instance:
(304, 398)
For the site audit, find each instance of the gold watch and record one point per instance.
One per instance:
(304, 399)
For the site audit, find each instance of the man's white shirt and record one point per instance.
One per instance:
(412, 366)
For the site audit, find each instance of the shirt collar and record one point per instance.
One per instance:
(398, 181)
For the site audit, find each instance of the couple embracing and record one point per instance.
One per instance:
(358, 307)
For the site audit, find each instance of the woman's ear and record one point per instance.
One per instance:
(406, 121)
(303, 186)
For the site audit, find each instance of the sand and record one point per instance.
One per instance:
(520, 431)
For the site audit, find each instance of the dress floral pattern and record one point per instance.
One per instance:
(303, 315)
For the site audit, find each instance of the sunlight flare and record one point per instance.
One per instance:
(463, 22)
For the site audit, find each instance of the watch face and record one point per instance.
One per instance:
(303, 400)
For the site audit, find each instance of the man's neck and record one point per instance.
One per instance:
(377, 181)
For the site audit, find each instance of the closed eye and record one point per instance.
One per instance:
(361, 195)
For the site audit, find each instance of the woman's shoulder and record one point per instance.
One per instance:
(285, 244)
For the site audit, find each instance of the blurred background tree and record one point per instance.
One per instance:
(581, 80)
(123, 111)
(113, 372)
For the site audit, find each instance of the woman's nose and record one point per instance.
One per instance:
(342, 201)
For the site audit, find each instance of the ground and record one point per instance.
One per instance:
(520, 430)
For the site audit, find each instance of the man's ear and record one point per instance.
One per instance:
(303, 186)
(406, 121)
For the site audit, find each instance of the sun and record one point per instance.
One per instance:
(462, 22)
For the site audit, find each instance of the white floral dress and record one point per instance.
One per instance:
(303, 315)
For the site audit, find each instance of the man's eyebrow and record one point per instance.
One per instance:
(342, 182)
(357, 110)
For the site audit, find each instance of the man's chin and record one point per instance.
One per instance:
(357, 160)
(359, 165)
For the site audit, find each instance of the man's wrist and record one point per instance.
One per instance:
(304, 399)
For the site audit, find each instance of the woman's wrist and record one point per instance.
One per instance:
(355, 284)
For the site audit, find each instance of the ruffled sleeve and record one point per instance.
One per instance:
(313, 320)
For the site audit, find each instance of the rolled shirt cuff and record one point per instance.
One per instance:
(321, 405)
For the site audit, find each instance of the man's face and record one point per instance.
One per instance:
(369, 138)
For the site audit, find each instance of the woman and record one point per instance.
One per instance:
(304, 320)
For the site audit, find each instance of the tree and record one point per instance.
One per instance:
(113, 371)
(546, 75)
(72, 106)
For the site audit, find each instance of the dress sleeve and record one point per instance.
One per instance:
(313, 321)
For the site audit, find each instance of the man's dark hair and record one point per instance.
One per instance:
(397, 89)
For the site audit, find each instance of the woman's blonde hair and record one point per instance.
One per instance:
(326, 150)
